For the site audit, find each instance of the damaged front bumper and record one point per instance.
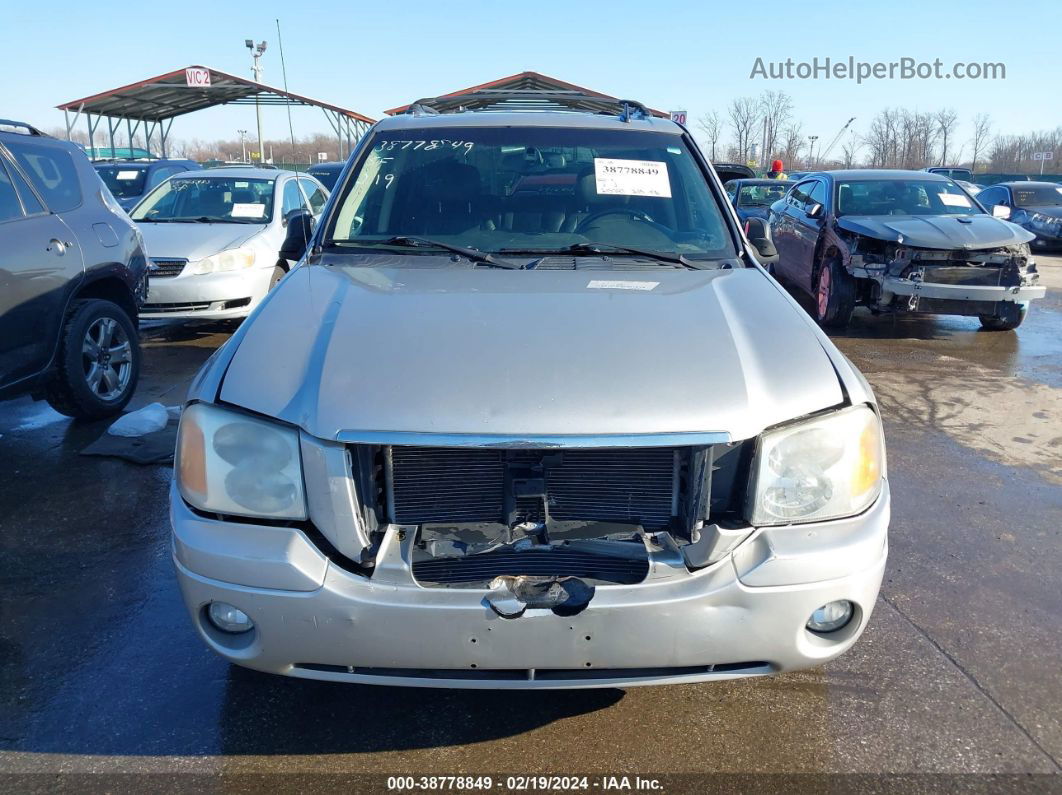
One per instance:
(314, 617)
(892, 286)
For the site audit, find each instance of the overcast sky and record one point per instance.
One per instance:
(671, 55)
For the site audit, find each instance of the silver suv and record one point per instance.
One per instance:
(529, 414)
(72, 278)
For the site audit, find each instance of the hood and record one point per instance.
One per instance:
(194, 241)
(753, 212)
(1050, 210)
(529, 353)
(937, 231)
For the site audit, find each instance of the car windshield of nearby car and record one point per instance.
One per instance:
(761, 195)
(903, 197)
(1038, 196)
(225, 199)
(532, 190)
(125, 182)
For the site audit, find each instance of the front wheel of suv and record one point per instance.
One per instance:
(98, 363)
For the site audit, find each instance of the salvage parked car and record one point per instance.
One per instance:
(529, 415)
(327, 173)
(901, 241)
(129, 181)
(752, 198)
(72, 275)
(1037, 206)
(215, 236)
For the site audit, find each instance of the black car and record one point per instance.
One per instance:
(752, 198)
(132, 180)
(72, 278)
(1035, 205)
(327, 173)
(729, 171)
(901, 241)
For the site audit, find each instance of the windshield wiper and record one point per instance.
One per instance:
(468, 253)
(605, 248)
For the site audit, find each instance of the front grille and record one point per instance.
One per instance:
(553, 562)
(185, 307)
(166, 268)
(429, 484)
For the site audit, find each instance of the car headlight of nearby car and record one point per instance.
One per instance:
(826, 467)
(233, 463)
(232, 260)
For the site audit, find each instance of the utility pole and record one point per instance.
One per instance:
(256, 69)
(243, 144)
(811, 151)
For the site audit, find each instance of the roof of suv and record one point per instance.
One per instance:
(240, 171)
(590, 121)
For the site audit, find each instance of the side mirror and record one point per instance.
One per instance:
(814, 211)
(1001, 211)
(756, 232)
(300, 230)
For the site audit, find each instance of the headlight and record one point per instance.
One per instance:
(231, 260)
(231, 463)
(824, 468)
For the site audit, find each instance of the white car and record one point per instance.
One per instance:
(214, 239)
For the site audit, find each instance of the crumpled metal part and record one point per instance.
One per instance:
(510, 596)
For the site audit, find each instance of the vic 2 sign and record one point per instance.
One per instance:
(197, 76)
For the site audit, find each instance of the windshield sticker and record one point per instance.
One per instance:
(618, 284)
(248, 210)
(632, 177)
(242, 184)
(954, 200)
(128, 174)
(426, 146)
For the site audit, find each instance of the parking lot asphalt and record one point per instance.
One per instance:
(958, 672)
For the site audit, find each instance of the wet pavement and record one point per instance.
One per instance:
(958, 672)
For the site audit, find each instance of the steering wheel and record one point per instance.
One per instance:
(637, 215)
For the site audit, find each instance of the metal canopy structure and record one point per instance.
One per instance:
(157, 101)
(520, 92)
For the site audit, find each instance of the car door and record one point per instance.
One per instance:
(783, 228)
(807, 227)
(39, 264)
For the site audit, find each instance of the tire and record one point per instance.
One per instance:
(98, 362)
(1009, 315)
(835, 294)
(278, 273)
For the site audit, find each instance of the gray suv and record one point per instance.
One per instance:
(72, 278)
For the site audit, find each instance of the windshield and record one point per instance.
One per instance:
(532, 189)
(326, 176)
(228, 200)
(1038, 196)
(124, 182)
(903, 197)
(762, 195)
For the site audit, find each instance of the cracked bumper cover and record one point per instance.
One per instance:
(314, 619)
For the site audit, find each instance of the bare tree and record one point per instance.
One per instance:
(792, 142)
(712, 127)
(777, 108)
(982, 132)
(743, 113)
(850, 147)
(946, 120)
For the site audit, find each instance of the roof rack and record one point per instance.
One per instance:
(30, 129)
(510, 100)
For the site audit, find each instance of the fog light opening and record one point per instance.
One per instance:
(831, 617)
(229, 618)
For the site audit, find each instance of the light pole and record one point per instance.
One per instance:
(256, 69)
(243, 144)
(811, 150)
